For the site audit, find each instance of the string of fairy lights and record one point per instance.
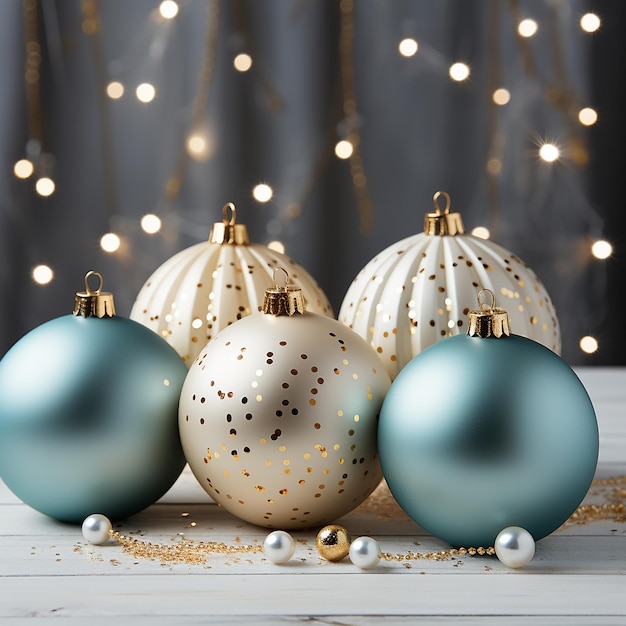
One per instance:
(37, 165)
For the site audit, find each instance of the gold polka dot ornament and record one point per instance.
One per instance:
(212, 284)
(278, 415)
(420, 290)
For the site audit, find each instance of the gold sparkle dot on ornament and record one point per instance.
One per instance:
(333, 542)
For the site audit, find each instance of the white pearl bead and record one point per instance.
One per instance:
(515, 546)
(279, 546)
(96, 529)
(365, 552)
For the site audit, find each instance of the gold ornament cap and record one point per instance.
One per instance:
(488, 321)
(283, 300)
(93, 303)
(228, 231)
(442, 222)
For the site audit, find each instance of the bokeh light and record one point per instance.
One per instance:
(527, 28)
(23, 168)
(587, 116)
(168, 9)
(115, 90)
(589, 344)
(110, 242)
(45, 186)
(482, 232)
(408, 47)
(277, 246)
(262, 192)
(601, 249)
(242, 62)
(590, 22)
(549, 152)
(459, 71)
(151, 223)
(197, 146)
(42, 274)
(501, 96)
(344, 149)
(145, 92)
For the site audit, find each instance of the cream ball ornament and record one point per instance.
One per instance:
(210, 285)
(419, 290)
(278, 416)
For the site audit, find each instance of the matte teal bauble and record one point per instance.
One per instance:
(89, 414)
(487, 430)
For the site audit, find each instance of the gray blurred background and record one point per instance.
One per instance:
(418, 131)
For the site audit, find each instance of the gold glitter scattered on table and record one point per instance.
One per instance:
(606, 500)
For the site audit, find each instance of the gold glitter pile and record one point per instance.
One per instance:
(182, 551)
(439, 555)
(611, 496)
(382, 504)
(605, 500)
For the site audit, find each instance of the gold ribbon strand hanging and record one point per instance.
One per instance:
(495, 137)
(203, 88)
(560, 94)
(41, 161)
(32, 73)
(274, 100)
(348, 89)
(92, 28)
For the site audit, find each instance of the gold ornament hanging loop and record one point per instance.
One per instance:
(91, 303)
(284, 272)
(436, 197)
(442, 222)
(228, 231)
(488, 320)
(97, 291)
(229, 214)
(483, 305)
(283, 300)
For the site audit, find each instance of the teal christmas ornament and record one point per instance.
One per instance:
(89, 413)
(487, 430)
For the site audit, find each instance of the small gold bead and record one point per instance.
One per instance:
(333, 542)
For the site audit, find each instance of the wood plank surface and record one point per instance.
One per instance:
(48, 571)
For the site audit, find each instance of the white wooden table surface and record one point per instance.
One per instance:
(578, 575)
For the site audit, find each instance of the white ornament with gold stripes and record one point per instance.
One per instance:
(420, 290)
(212, 284)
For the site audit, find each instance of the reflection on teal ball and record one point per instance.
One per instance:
(479, 434)
(89, 417)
